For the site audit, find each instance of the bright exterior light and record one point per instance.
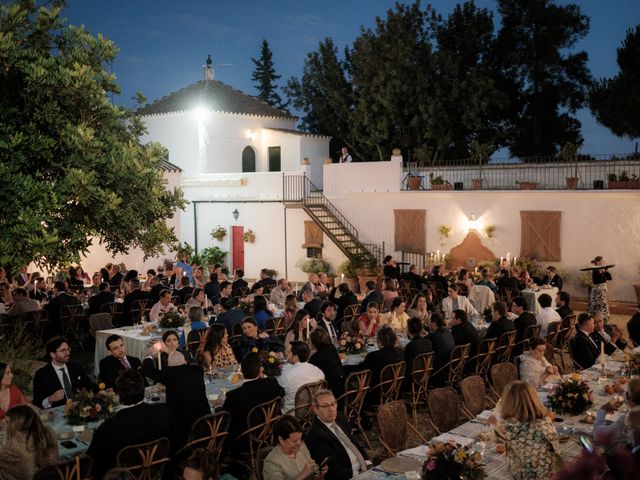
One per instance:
(472, 223)
(201, 113)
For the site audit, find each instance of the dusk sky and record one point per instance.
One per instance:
(164, 43)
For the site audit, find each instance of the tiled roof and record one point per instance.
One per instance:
(166, 166)
(298, 132)
(215, 96)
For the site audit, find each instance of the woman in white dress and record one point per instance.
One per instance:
(534, 367)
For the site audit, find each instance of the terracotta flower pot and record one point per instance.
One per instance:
(476, 183)
(414, 183)
(441, 186)
(625, 184)
(528, 185)
(572, 183)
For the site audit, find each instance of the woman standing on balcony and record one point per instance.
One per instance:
(598, 297)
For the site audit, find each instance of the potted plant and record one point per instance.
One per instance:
(444, 231)
(623, 181)
(211, 256)
(313, 265)
(490, 231)
(218, 233)
(480, 153)
(414, 182)
(527, 185)
(568, 153)
(438, 183)
(183, 250)
(249, 236)
(366, 269)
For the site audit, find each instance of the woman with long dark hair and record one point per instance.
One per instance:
(260, 311)
(297, 332)
(216, 351)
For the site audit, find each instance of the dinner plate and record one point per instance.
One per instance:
(401, 465)
(66, 435)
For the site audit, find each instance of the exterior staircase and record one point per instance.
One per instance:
(299, 192)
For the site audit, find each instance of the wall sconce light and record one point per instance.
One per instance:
(251, 134)
(236, 214)
(472, 222)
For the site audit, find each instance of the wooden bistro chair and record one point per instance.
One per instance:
(444, 409)
(139, 311)
(473, 393)
(505, 345)
(259, 433)
(392, 423)
(195, 339)
(303, 410)
(351, 310)
(501, 375)
(422, 366)
(553, 330)
(145, 461)
(388, 389)
(481, 361)
(274, 326)
(451, 372)
(115, 309)
(99, 321)
(508, 294)
(236, 332)
(77, 468)
(35, 322)
(71, 318)
(356, 386)
(561, 349)
(523, 345)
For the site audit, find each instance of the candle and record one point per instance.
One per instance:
(158, 346)
(515, 261)
(602, 357)
(307, 329)
(342, 278)
(501, 260)
(437, 254)
(508, 257)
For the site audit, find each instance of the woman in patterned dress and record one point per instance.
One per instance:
(598, 297)
(216, 351)
(528, 433)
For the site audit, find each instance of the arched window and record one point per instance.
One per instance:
(248, 160)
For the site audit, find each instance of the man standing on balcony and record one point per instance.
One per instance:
(345, 157)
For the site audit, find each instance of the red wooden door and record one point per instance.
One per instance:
(237, 248)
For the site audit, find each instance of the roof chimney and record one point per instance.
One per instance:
(208, 69)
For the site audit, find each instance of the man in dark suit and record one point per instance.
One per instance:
(238, 281)
(266, 279)
(103, 297)
(185, 290)
(327, 359)
(584, 349)
(441, 281)
(230, 315)
(138, 423)
(61, 299)
(525, 319)
(633, 327)
(116, 277)
(372, 295)
(464, 332)
(113, 364)
(346, 298)
(136, 294)
(326, 321)
(60, 379)
(509, 279)
(441, 339)
(155, 288)
(563, 299)
(311, 304)
(552, 278)
(413, 277)
(500, 323)
(418, 344)
(255, 390)
(600, 335)
(330, 438)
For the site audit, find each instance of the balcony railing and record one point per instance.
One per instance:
(588, 173)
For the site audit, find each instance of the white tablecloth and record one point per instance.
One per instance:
(531, 297)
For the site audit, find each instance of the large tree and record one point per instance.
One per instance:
(546, 82)
(72, 168)
(615, 102)
(265, 77)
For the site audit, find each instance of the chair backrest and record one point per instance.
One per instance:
(99, 321)
(260, 420)
(262, 454)
(508, 294)
(392, 423)
(420, 373)
(473, 393)
(484, 356)
(444, 408)
(195, 339)
(348, 324)
(531, 331)
(576, 365)
(356, 386)
(147, 460)
(459, 356)
(77, 468)
(520, 347)
(304, 401)
(274, 326)
(236, 331)
(351, 310)
(210, 431)
(505, 345)
(391, 376)
(139, 308)
(502, 374)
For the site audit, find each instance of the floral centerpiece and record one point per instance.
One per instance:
(571, 396)
(271, 363)
(352, 344)
(173, 318)
(449, 461)
(90, 407)
(634, 363)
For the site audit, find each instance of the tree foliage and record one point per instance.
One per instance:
(265, 77)
(72, 167)
(615, 102)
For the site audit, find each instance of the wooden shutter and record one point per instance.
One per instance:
(540, 237)
(312, 235)
(410, 230)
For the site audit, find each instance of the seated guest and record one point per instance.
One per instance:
(389, 291)
(30, 444)
(103, 297)
(260, 311)
(534, 367)
(442, 342)
(330, 438)
(369, 322)
(39, 293)
(396, 317)
(633, 327)
(10, 394)
(421, 307)
(346, 299)
(61, 299)
(454, 301)
(533, 450)
(162, 307)
(509, 279)
(60, 379)
(486, 280)
(22, 303)
(610, 434)
(326, 358)
(252, 339)
(436, 276)
(464, 332)
(289, 459)
(563, 300)
(185, 290)
(524, 320)
(297, 372)
(136, 294)
(280, 292)
(194, 323)
(138, 422)
(199, 278)
(328, 312)
(418, 344)
(547, 315)
(311, 304)
(169, 345)
(371, 295)
(255, 390)
(499, 322)
(216, 351)
(113, 364)
(551, 279)
(375, 361)
(632, 430)
(155, 287)
(266, 280)
(324, 287)
(202, 464)
(584, 349)
(310, 285)
(229, 315)
(525, 281)
(601, 336)
(239, 283)
(415, 280)
(212, 289)
(199, 299)
(290, 310)
(301, 326)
